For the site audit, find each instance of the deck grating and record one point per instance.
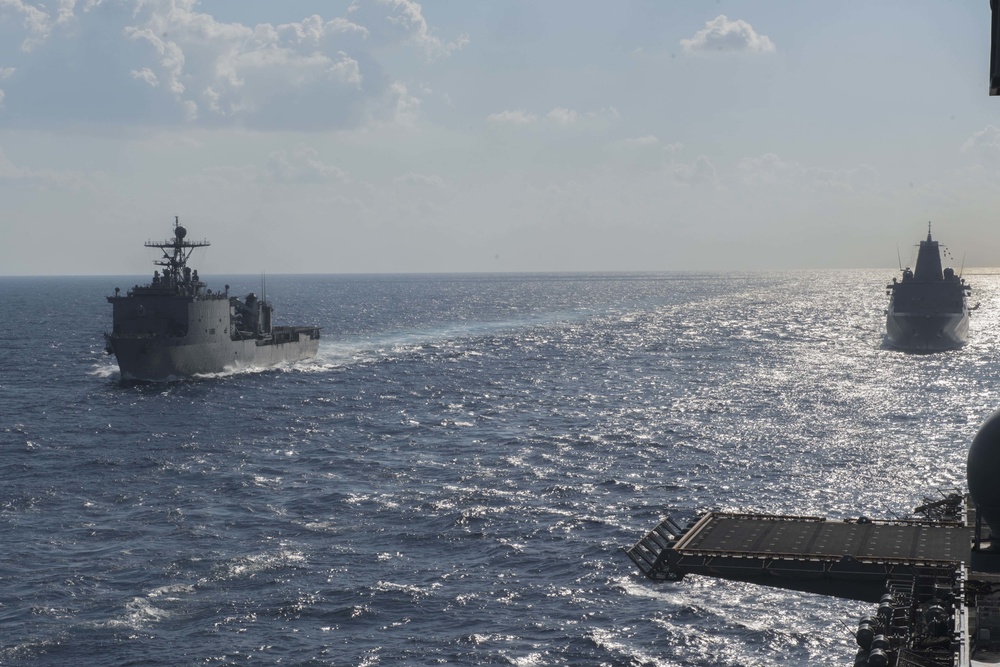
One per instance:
(750, 535)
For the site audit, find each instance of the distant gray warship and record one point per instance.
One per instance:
(928, 309)
(175, 327)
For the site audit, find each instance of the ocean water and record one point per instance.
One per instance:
(454, 478)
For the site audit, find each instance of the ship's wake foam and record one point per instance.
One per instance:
(344, 352)
(104, 371)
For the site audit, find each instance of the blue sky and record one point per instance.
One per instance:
(568, 135)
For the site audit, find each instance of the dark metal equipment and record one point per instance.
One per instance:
(994, 55)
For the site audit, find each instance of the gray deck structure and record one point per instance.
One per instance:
(932, 612)
(851, 559)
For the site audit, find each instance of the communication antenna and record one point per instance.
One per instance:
(849, 631)
(898, 259)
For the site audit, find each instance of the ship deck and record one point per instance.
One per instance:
(843, 558)
(807, 537)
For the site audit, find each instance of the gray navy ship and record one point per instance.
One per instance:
(175, 327)
(928, 309)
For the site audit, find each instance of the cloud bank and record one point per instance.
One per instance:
(166, 62)
(720, 35)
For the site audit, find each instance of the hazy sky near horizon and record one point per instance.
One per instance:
(329, 136)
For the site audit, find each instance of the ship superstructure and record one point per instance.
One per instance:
(176, 327)
(928, 309)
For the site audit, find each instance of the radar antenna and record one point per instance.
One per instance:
(176, 252)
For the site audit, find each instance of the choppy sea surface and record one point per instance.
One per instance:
(453, 479)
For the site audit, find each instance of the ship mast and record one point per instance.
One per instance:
(175, 253)
(928, 266)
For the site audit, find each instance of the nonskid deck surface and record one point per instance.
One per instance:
(850, 559)
(758, 535)
(916, 569)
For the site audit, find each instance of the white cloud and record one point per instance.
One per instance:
(518, 117)
(722, 35)
(5, 73)
(233, 70)
(409, 18)
(702, 172)
(768, 169)
(563, 116)
(37, 22)
(302, 165)
(560, 116)
(672, 150)
(314, 30)
(648, 140)
(405, 106)
(644, 154)
(147, 75)
(190, 111)
(771, 170)
(984, 144)
(169, 61)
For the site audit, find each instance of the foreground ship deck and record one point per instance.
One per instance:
(843, 558)
(917, 570)
(936, 577)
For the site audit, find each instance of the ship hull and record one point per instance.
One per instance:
(152, 359)
(928, 310)
(927, 333)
